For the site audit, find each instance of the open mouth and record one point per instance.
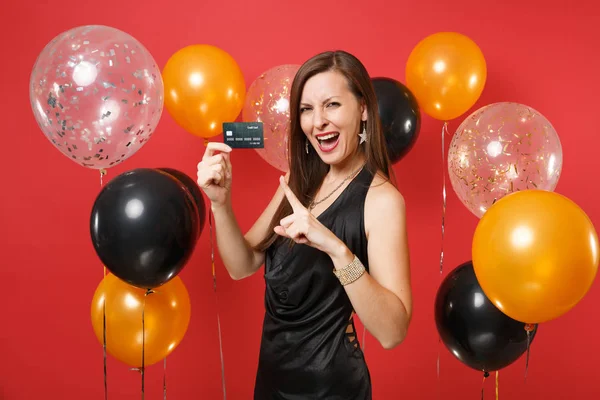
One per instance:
(328, 142)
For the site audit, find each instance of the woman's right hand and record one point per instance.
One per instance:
(214, 173)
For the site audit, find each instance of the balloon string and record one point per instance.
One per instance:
(527, 357)
(438, 358)
(439, 384)
(528, 328)
(102, 173)
(485, 375)
(212, 258)
(165, 379)
(143, 369)
(104, 341)
(444, 131)
(212, 252)
(143, 345)
(497, 392)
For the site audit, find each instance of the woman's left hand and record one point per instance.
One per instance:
(302, 227)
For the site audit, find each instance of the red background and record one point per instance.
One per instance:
(539, 53)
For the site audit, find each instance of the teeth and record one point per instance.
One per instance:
(330, 136)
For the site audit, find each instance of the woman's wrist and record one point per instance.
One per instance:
(221, 207)
(341, 255)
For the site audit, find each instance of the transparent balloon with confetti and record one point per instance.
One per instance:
(500, 149)
(268, 101)
(97, 94)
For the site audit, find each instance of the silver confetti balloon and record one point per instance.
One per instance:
(97, 94)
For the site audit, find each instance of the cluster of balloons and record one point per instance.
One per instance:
(445, 75)
(97, 94)
(534, 257)
(144, 227)
(534, 252)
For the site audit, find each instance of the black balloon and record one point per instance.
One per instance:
(399, 114)
(476, 332)
(195, 192)
(144, 227)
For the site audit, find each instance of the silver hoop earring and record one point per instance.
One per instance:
(363, 135)
(306, 146)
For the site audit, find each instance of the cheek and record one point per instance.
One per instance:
(305, 125)
(349, 125)
(345, 120)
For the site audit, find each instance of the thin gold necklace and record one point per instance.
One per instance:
(313, 203)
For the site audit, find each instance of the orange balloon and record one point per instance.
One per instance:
(204, 87)
(446, 72)
(166, 318)
(535, 255)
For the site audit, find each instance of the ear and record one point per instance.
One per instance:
(363, 111)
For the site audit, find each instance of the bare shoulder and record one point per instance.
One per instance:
(384, 203)
(384, 195)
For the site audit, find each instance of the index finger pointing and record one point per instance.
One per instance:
(213, 147)
(294, 202)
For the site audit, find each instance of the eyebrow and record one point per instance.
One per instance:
(324, 101)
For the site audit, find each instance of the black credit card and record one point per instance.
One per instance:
(243, 135)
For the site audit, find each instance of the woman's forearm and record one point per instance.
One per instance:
(382, 313)
(237, 255)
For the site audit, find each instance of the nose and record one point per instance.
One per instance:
(319, 120)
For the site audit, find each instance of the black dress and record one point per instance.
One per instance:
(309, 347)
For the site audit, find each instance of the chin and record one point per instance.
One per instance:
(331, 158)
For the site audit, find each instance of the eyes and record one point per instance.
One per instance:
(332, 104)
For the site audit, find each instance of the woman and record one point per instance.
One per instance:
(333, 238)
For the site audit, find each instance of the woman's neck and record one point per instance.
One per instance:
(346, 168)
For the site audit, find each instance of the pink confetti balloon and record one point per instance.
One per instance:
(97, 94)
(268, 101)
(503, 148)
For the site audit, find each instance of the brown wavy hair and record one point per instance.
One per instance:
(307, 171)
